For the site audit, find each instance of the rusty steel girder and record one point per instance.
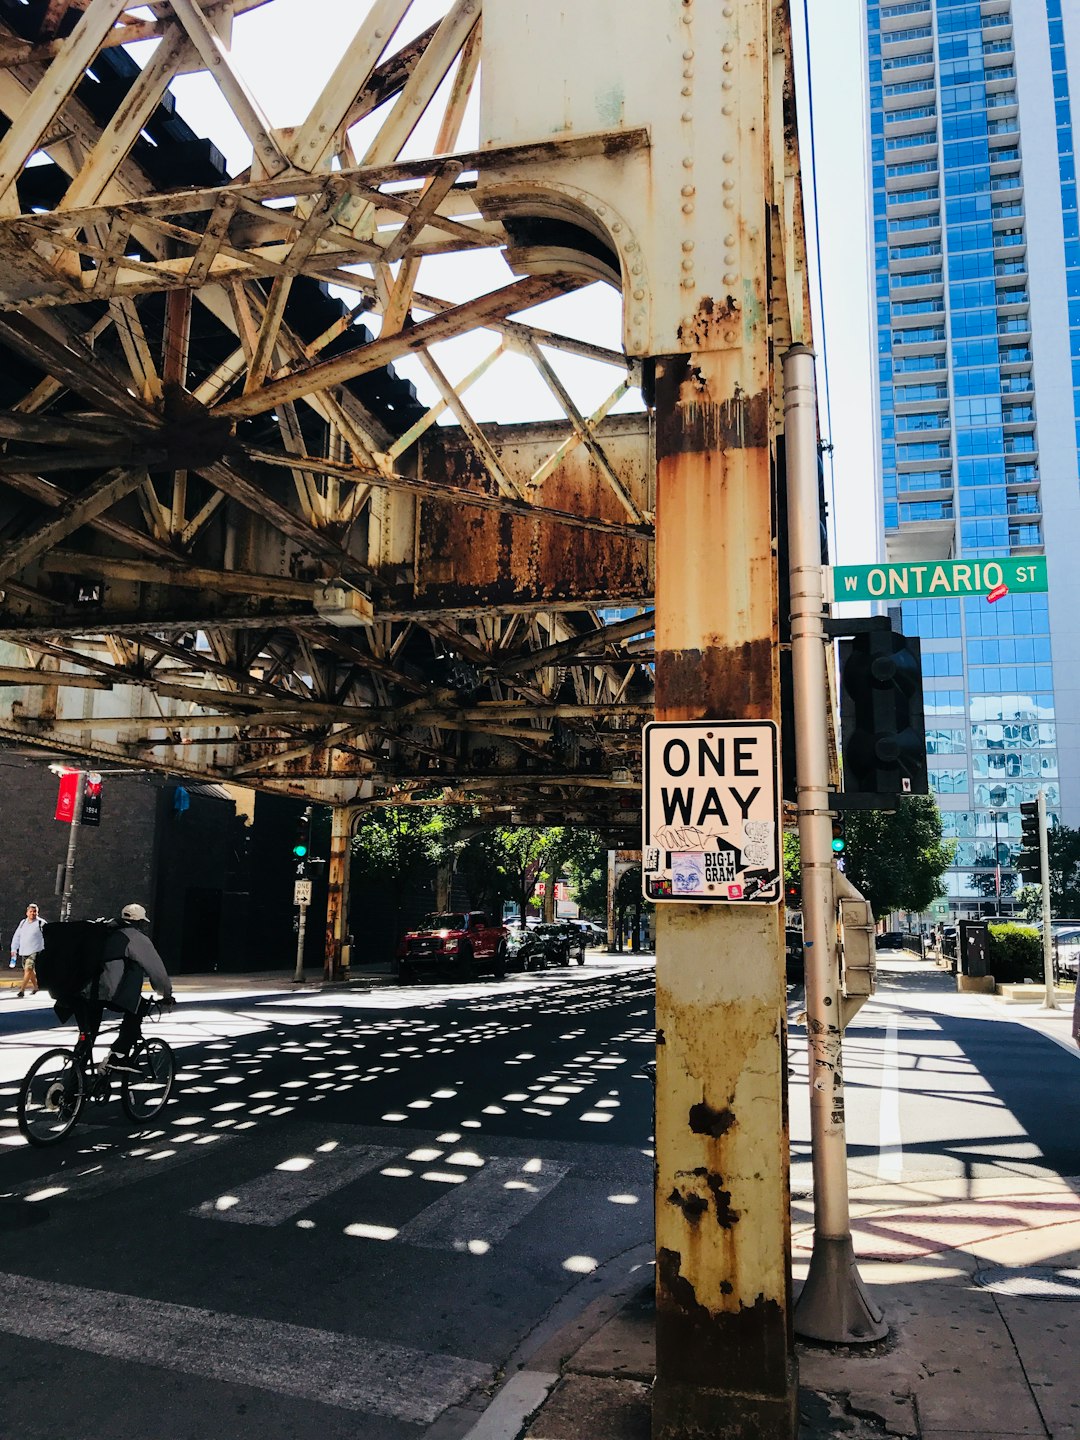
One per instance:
(237, 542)
(234, 543)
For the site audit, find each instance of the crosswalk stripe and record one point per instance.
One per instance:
(478, 1214)
(122, 1168)
(348, 1371)
(294, 1185)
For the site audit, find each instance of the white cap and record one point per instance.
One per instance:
(133, 912)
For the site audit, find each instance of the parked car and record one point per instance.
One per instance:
(889, 940)
(544, 945)
(1067, 953)
(455, 945)
(574, 931)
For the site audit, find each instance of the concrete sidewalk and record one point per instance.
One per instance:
(980, 1283)
(979, 1280)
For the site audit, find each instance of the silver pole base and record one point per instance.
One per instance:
(833, 1305)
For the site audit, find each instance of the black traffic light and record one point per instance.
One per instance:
(1029, 860)
(839, 835)
(881, 714)
(302, 843)
(793, 895)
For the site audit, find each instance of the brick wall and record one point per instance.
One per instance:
(114, 862)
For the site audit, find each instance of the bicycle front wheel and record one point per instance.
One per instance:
(51, 1097)
(146, 1091)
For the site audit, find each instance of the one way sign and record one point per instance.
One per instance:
(711, 827)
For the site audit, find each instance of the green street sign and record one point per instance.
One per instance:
(940, 579)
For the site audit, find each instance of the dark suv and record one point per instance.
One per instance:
(544, 945)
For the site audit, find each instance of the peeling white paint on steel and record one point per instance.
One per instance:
(352, 1372)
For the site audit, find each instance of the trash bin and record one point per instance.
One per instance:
(974, 948)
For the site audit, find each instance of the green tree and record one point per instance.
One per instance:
(398, 843)
(505, 863)
(896, 859)
(398, 847)
(589, 878)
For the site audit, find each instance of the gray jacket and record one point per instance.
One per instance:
(131, 956)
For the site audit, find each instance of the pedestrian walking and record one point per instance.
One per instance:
(26, 945)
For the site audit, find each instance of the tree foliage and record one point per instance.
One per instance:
(508, 862)
(398, 844)
(897, 859)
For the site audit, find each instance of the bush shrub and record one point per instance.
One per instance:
(1015, 954)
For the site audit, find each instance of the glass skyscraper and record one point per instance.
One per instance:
(973, 109)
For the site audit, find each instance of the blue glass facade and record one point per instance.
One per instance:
(959, 459)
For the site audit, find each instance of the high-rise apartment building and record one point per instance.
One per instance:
(974, 107)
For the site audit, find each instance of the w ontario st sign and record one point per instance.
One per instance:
(710, 820)
(940, 580)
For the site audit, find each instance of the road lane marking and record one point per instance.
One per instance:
(119, 1168)
(478, 1214)
(890, 1143)
(351, 1372)
(273, 1198)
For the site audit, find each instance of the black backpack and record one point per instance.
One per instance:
(74, 956)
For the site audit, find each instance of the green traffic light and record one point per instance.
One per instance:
(299, 850)
(838, 844)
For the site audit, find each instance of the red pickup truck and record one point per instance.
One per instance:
(458, 944)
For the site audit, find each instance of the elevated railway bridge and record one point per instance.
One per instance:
(235, 542)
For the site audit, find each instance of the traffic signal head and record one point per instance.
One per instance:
(839, 839)
(881, 714)
(303, 835)
(1029, 861)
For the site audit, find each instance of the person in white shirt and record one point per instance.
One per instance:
(26, 945)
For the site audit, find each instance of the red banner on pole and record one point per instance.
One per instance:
(65, 800)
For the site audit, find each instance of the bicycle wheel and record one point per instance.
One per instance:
(143, 1094)
(51, 1097)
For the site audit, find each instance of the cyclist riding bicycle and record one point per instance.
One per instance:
(130, 957)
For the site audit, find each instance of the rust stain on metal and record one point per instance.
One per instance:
(722, 680)
(726, 1214)
(689, 422)
(467, 555)
(694, 1341)
(694, 1203)
(704, 1120)
(711, 320)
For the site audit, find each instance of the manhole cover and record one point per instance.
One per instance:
(1034, 1282)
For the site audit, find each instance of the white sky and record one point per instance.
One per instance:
(281, 53)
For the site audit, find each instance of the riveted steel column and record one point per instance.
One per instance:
(725, 1352)
(337, 893)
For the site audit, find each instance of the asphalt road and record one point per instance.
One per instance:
(356, 1211)
(363, 1209)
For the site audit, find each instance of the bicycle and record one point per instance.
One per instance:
(58, 1085)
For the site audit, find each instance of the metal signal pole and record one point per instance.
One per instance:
(833, 1305)
(72, 845)
(1050, 1001)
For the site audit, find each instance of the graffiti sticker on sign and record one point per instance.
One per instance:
(709, 811)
